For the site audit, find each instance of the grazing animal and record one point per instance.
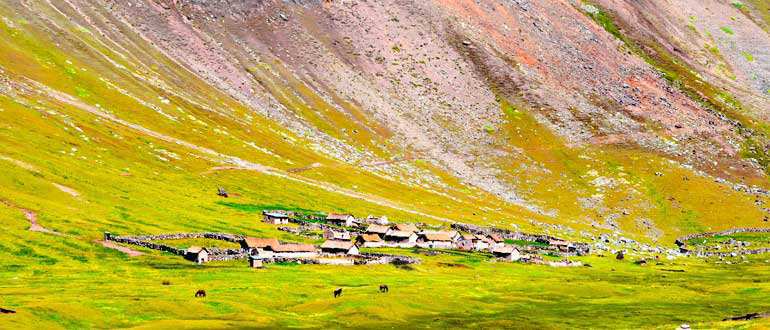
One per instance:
(383, 288)
(222, 192)
(620, 255)
(7, 311)
(337, 292)
(200, 294)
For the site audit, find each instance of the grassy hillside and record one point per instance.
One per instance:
(95, 140)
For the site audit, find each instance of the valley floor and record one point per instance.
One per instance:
(445, 291)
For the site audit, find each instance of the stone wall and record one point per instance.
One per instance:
(214, 253)
(682, 240)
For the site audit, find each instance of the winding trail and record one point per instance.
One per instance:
(31, 216)
(112, 245)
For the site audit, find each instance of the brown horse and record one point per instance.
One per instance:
(200, 294)
(337, 292)
(384, 288)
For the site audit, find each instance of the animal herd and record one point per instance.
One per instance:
(337, 292)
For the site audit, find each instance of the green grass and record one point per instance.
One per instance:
(129, 182)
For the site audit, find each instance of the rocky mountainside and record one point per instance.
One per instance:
(643, 118)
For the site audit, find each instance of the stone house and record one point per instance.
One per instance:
(397, 238)
(369, 240)
(197, 254)
(481, 242)
(496, 241)
(294, 251)
(255, 262)
(378, 230)
(339, 247)
(507, 252)
(275, 217)
(342, 235)
(435, 240)
(465, 242)
(343, 220)
(383, 220)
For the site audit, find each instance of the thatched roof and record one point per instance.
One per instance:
(506, 249)
(294, 248)
(406, 227)
(370, 238)
(467, 236)
(438, 236)
(377, 229)
(195, 249)
(253, 242)
(337, 245)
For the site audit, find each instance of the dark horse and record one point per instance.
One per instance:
(337, 292)
(383, 288)
(200, 294)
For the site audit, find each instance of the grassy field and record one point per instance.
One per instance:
(92, 141)
(445, 291)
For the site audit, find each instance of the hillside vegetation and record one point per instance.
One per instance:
(638, 119)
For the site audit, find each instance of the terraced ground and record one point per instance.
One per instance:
(126, 116)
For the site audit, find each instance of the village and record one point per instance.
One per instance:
(345, 236)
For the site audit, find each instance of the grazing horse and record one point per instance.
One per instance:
(383, 288)
(337, 292)
(200, 294)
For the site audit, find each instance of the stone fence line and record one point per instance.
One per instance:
(683, 240)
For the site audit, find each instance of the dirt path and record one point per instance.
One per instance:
(112, 245)
(31, 216)
(33, 225)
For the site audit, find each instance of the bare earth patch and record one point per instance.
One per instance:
(112, 245)
(67, 190)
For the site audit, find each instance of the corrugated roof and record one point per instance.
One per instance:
(338, 245)
(377, 229)
(276, 215)
(254, 242)
(294, 248)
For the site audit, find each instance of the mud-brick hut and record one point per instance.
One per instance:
(294, 251)
(252, 243)
(507, 252)
(197, 254)
(342, 220)
(275, 217)
(435, 240)
(339, 247)
(397, 238)
(369, 240)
